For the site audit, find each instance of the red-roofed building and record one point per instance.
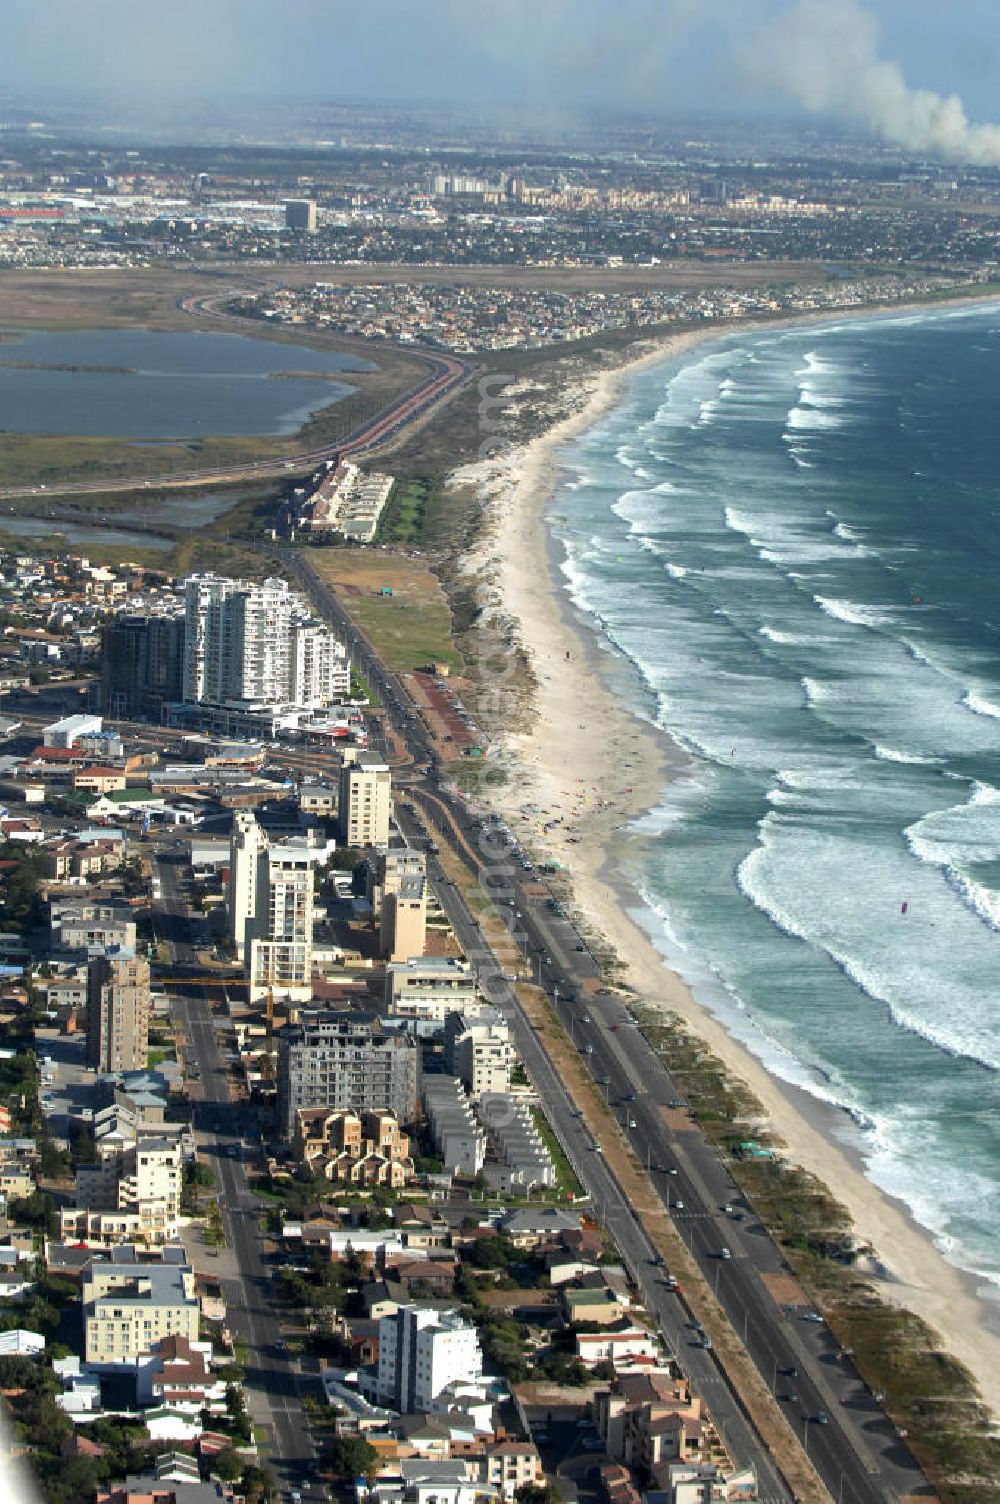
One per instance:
(96, 780)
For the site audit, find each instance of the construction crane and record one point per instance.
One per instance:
(201, 981)
(267, 1063)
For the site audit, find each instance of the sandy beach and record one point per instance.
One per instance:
(594, 766)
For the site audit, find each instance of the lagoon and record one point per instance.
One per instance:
(144, 384)
(72, 533)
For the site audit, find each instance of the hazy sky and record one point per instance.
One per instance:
(173, 55)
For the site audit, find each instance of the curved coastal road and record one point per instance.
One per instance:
(444, 378)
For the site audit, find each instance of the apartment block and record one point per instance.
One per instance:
(117, 1011)
(403, 923)
(345, 1061)
(248, 644)
(478, 1050)
(142, 666)
(421, 1353)
(143, 1181)
(129, 1305)
(270, 910)
(79, 924)
(280, 959)
(365, 801)
(429, 986)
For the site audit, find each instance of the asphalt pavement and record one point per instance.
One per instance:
(271, 1381)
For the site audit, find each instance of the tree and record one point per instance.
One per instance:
(228, 1465)
(538, 1493)
(562, 1368)
(259, 1485)
(84, 1148)
(353, 1457)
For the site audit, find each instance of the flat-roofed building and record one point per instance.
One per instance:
(129, 1305)
(403, 923)
(429, 986)
(345, 1061)
(478, 1050)
(365, 801)
(117, 1011)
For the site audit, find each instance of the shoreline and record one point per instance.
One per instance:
(559, 770)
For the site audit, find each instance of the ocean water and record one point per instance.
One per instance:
(789, 542)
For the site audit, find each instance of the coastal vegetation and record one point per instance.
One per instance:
(932, 1399)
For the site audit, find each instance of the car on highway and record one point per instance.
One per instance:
(588, 1049)
(821, 1418)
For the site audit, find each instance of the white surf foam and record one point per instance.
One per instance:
(855, 613)
(909, 759)
(799, 419)
(979, 705)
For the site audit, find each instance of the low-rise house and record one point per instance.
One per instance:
(458, 1138)
(354, 1148)
(563, 1267)
(149, 1489)
(81, 1389)
(627, 1344)
(14, 1285)
(421, 1226)
(430, 1482)
(21, 1344)
(178, 1373)
(170, 1423)
(596, 1305)
(16, 1181)
(531, 1228)
(507, 1466)
(423, 1276)
(97, 780)
(382, 1297)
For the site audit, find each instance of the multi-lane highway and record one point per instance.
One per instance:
(221, 1126)
(856, 1451)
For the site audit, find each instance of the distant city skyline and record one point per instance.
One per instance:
(834, 57)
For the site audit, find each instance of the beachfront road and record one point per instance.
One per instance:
(855, 1449)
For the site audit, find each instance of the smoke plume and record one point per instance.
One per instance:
(823, 55)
